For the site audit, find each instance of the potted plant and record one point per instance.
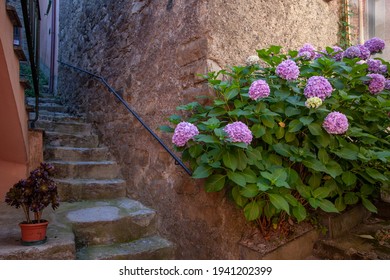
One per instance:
(33, 195)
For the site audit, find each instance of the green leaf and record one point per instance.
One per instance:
(215, 183)
(327, 206)
(323, 156)
(299, 212)
(282, 149)
(195, 150)
(321, 192)
(339, 203)
(351, 198)
(206, 138)
(289, 137)
(202, 172)
(349, 178)
(291, 199)
(375, 174)
(252, 211)
(230, 160)
(279, 202)
(238, 198)
(315, 164)
(250, 175)
(304, 191)
(333, 169)
(315, 129)
(291, 111)
(251, 190)
(166, 128)
(279, 133)
(253, 155)
(232, 93)
(242, 160)
(267, 121)
(306, 120)
(347, 154)
(369, 206)
(294, 126)
(258, 130)
(175, 119)
(236, 178)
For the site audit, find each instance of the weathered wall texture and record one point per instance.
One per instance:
(150, 51)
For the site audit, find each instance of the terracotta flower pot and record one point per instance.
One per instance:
(35, 233)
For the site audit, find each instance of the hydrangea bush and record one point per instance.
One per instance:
(308, 131)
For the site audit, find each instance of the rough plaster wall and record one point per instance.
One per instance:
(150, 51)
(239, 27)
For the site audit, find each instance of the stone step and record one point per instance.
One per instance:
(90, 189)
(369, 240)
(43, 100)
(149, 248)
(76, 128)
(55, 139)
(52, 107)
(53, 116)
(86, 169)
(107, 221)
(77, 154)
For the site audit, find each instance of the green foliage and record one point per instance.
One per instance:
(292, 165)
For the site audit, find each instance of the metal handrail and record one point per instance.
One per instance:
(33, 51)
(110, 89)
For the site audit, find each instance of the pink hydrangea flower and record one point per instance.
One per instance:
(377, 83)
(335, 123)
(318, 86)
(184, 132)
(375, 45)
(288, 70)
(258, 89)
(307, 52)
(238, 132)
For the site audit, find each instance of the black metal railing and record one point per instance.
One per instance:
(31, 20)
(129, 109)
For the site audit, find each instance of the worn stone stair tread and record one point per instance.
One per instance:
(90, 189)
(71, 140)
(109, 221)
(76, 153)
(153, 247)
(113, 209)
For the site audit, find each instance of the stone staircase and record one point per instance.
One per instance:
(94, 207)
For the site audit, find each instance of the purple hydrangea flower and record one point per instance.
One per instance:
(364, 52)
(238, 132)
(259, 89)
(318, 86)
(375, 45)
(387, 84)
(307, 52)
(373, 65)
(359, 51)
(184, 132)
(337, 53)
(288, 70)
(352, 52)
(383, 69)
(335, 123)
(377, 83)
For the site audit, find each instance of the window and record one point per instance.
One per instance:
(371, 18)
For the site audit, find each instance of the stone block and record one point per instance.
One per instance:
(191, 51)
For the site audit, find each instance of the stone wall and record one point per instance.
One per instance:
(151, 51)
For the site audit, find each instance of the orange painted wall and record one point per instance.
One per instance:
(14, 146)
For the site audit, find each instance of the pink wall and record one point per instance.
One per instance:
(14, 147)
